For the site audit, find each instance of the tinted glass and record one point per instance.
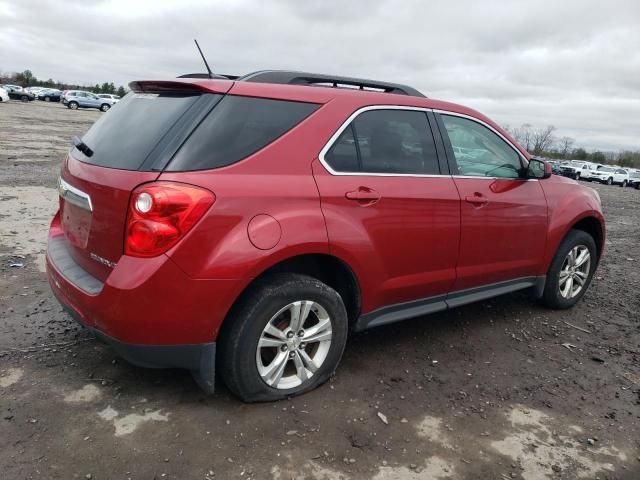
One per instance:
(236, 128)
(125, 136)
(395, 141)
(343, 156)
(479, 151)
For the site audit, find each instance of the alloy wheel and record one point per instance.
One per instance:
(294, 344)
(575, 271)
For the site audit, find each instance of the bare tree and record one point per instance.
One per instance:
(566, 146)
(542, 139)
(523, 135)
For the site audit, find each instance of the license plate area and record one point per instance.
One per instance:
(76, 214)
(76, 224)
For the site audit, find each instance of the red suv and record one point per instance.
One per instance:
(250, 225)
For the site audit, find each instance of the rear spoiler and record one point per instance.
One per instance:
(178, 86)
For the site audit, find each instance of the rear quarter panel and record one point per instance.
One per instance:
(275, 181)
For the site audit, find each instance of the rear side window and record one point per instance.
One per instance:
(236, 128)
(343, 155)
(123, 137)
(386, 141)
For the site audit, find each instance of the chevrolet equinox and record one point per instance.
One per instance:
(248, 225)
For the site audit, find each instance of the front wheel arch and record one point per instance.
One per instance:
(593, 227)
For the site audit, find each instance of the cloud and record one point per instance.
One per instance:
(574, 64)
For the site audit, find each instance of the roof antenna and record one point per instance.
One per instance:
(204, 59)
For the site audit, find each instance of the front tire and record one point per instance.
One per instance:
(104, 107)
(47, 99)
(609, 181)
(623, 184)
(285, 337)
(571, 271)
(24, 98)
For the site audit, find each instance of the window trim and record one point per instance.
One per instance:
(354, 115)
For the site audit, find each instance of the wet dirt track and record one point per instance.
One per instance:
(498, 390)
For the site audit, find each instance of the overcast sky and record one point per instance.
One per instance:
(573, 64)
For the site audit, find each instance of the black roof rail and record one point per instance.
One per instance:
(304, 78)
(217, 76)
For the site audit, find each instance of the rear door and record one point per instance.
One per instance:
(389, 210)
(504, 215)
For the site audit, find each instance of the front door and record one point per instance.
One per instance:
(389, 212)
(504, 214)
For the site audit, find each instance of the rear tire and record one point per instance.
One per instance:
(47, 99)
(104, 107)
(609, 181)
(73, 105)
(24, 98)
(556, 295)
(261, 333)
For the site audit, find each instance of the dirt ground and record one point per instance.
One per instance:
(502, 389)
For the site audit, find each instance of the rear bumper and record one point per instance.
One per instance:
(143, 301)
(148, 310)
(199, 359)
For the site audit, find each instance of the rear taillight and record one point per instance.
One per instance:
(160, 214)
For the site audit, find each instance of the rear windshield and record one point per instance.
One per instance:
(236, 128)
(124, 136)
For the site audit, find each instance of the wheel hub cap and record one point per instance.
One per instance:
(574, 271)
(294, 344)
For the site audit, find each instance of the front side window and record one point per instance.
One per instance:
(386, 141)
(479, 152)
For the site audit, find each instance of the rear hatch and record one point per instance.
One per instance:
(129, 145)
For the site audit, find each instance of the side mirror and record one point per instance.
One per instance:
(539, 169)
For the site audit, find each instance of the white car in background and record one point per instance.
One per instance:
(113, 99)
(587, 170)
(4, 95)
(611, 175)
(577, 169)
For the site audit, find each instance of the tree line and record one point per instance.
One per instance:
(543, 142)
(27, 79)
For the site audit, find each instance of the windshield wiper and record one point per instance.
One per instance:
(83, 147)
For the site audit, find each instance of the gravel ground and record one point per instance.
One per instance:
(502, 389)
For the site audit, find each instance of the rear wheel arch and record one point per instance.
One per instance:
(329, 269)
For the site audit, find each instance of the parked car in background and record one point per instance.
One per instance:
(110, 97)
(634, 180)
(18, 93)
(380, 206)
(75, 99)
(4, 95)
(575, 169)
(556, 168)
(50, 95)
(611, 175)
(586, 172)
(34, 90)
